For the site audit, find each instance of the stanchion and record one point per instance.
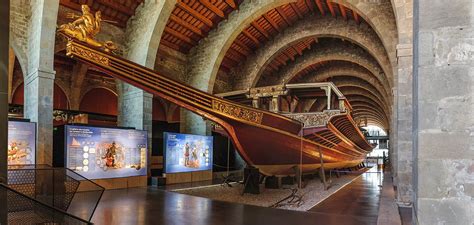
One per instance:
(323, 174)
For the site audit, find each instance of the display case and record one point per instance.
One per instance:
(187, 153)
(101, 153)
(21, 142)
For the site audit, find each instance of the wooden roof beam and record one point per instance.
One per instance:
(180, 4)
(283, 15)
(356, 16)
(186, 25)
(274, 25)
(239, 49)
(260, 29)
(213, 8)
(242, 45)
(331, 9)
(251, 37)
(116, 6)
(298, 50)
(231, 3)
(309, 5)
(292, 57)
(180, 36)
(320, 7)
(297, 11)
(343, 11)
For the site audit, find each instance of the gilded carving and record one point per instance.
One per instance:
(85, 27)
(237, 112)
(72, 49)
(316, 119)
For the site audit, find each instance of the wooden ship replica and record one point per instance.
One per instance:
(277, 143)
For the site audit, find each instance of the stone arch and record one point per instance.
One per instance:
(144, 31)
(354, 81)
(205, 59)
(370, 118)
(107, 106)
(348, 91)
(316, 26)
(344, 52)
(369, 90)
(381, 18)
(342, 68)
(368, 108)
(58, 94)
(364, 99)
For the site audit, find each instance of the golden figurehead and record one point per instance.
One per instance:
(85, 27)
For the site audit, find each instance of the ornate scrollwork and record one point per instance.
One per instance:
(317, 119)
(72, 49)
(237, 112)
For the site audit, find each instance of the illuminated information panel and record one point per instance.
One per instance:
(21, 143)
(98, 153)
(187, 153)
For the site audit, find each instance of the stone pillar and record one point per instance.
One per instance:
(404, 135)
(39, 81)
(444, 120)
(144, 30)
(4, 71)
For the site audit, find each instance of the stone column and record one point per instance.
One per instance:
(404, 160)
(444, 120)
(4, 69)
(144, 30)
(39, 81)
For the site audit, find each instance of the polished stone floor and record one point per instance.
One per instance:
(359, 199)
(358, 205)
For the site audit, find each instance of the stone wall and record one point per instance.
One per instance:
(444, 119)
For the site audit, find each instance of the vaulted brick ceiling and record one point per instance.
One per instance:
(191, 20)
(114, 10)
(275, 21)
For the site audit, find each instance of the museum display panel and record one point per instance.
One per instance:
(21, 143)
(101, 153)
(187, 153)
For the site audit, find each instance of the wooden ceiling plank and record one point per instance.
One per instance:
(297, 11)
(343, 11)
(356, 17)
(290, 56)
(260, 29)
(170, 45)
(117, 6)
(274, 25)
(186, 25)
(180, 36)
(213, 8)
(283, 15)
(231, 3)
(180, 4)
(320, 7)
(242, 45)
(309, 5)
(331, 9)
(298, 50)
(251, 37)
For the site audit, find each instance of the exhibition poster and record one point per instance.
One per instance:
(98, 153)
(21, 143)
(187, 153)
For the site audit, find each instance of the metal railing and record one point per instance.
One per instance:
(60, 188)
(18, 208)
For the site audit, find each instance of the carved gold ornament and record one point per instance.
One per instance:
(85, 27)
(237, 112)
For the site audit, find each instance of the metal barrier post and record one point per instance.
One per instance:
(4, 64)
